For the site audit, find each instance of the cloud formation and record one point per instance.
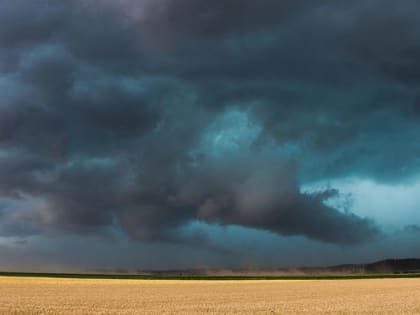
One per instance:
(147, 116)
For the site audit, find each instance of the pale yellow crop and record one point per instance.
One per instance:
(68, 296)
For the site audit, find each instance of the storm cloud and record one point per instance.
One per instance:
(147, 116)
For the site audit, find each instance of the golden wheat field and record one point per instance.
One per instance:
(74, 296)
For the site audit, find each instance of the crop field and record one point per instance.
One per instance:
(26, 295)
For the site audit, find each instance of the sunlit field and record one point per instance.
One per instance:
(85, 296)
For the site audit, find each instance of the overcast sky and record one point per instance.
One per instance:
(162, 134)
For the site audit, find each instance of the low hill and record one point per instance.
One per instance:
(409, 265)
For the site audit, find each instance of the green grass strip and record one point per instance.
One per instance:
(213, 278)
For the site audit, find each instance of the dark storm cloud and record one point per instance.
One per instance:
(151, 115)
(386, 36)
(218, 18)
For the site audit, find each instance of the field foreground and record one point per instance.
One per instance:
(83, 296)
